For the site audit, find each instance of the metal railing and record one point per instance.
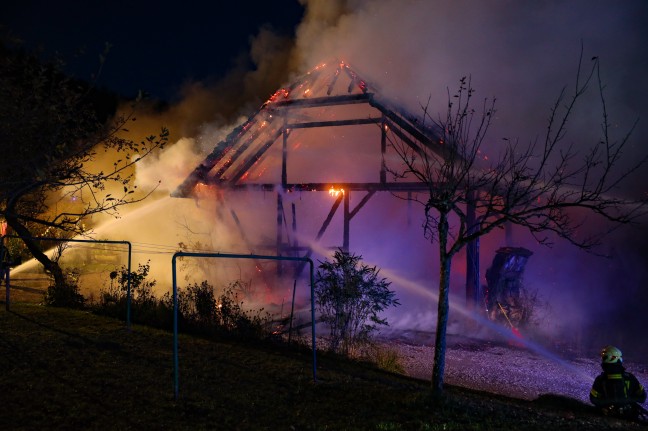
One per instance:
(130, 252)
(234, 256)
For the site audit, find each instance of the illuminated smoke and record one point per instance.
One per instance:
(523, 53)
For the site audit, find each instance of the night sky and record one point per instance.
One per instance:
(156, 46)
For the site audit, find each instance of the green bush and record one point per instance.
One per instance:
(349, 296)
(199, 310)
(144, 304)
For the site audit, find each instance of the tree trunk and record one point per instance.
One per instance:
(445, 261)
(50, 266)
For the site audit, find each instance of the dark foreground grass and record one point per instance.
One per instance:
(65, 369)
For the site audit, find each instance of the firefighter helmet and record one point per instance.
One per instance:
(611, 355)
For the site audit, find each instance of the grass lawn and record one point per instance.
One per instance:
(68, 369)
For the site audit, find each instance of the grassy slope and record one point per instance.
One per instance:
(64, 369)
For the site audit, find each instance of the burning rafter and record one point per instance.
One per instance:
(302, 105)
(308, 119)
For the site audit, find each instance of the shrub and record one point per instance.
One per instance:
(386, 358)
(199, 310)
(67, 294)
(198, 304)
(349, 296)
(144, 304)
(224, 314)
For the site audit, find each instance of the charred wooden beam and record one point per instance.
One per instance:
(284, 151)
(320, 233)
(294, 225)
(255, 157)
(200, 172)
(347, 222)
(307, 78)
(325, 187)
(402, 136)
(355, 80)
(328, 219)
(333, 123)
(280, 219)
(249, 246)
(383, 150)
(362, 203)
(345, 99)
(329, 90)
(426, 135)
(403, 122)
(240, 150)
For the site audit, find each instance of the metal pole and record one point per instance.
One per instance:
(312, 283)
(292, 311)
(7, 299)
(175, 329)
(130, 253)
(279, 230)
(235, 256)
(128, 288)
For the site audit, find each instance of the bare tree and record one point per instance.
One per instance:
(51, 130)
(542, 186)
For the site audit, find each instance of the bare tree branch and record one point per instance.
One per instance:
(549, 186)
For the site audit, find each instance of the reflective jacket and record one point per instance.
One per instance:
(615, 386)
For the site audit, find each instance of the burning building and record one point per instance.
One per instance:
(325, 133)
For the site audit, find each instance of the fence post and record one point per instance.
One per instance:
(234, 256)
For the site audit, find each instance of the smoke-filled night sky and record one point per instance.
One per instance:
(214, 65)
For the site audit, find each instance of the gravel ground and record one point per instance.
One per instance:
(518, 370)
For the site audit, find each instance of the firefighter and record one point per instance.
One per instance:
(615, 391)
(5, 263)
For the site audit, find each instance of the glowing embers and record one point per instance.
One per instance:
(355, 80)
(204, 189)
(482, 155)
(335, 192)
(278, 95)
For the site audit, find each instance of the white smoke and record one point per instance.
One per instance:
(167, 169)
(522, 53)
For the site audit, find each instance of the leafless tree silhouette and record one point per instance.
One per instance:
(547, 186)
(51, 131)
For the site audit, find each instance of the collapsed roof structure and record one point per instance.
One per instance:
(319, 99)
(328, 110)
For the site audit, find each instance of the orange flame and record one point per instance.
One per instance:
(335, 192)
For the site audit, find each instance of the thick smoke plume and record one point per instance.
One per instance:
(522, 53)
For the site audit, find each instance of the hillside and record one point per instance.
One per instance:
(64, 369)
